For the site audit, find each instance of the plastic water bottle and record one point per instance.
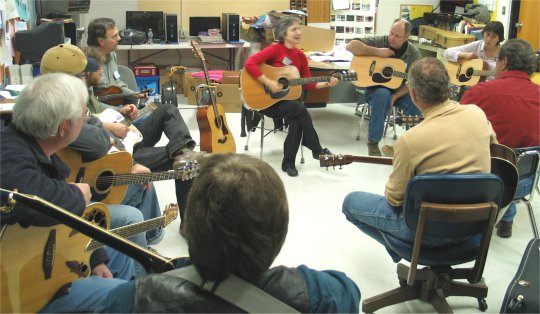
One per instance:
(150, 39)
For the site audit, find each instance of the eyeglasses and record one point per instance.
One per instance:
(115, 36)
(86, 114)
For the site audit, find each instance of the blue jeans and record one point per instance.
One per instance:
(380, 100)
(372, 214)
(524, 188)
(84, 295)
(122, 266)
(147, 202)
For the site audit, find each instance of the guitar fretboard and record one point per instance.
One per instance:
(130, 230)
(317, 79)
(140, 178)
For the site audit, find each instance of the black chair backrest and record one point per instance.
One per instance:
(450, 189)
(33, 43)
(527, 163)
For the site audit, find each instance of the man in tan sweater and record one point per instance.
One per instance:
(451, 139)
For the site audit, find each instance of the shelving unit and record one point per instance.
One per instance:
(318, 11)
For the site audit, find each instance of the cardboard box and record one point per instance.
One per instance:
(228, 95)
(231, 77)
(317, 39)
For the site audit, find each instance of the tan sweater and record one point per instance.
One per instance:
(451, 139)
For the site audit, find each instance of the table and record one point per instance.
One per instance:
(183, 45)
(320, 97)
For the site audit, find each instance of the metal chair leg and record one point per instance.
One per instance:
(365, 106)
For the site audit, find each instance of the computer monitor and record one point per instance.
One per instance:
(203, 24)
(143, 20)
(33, 43)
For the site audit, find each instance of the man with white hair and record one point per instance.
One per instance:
(48, 116)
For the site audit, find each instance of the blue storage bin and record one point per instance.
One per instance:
(148, 82)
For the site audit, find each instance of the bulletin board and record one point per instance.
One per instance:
(357, 20)
(413, 11)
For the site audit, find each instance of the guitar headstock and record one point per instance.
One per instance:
(189, 171)
(346, 76)
(334, 160)
(170, 213)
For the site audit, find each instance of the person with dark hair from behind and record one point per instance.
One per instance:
(234, 228)
(380, 98)
(103, 38)
(283, 53)
(486, 49)
(48, 116)
(512, 105)
(451, 139)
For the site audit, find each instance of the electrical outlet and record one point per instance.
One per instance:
(503, 10)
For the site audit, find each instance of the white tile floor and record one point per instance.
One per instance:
(320, 236)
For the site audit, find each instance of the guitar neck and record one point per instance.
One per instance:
(141, 178)
(309, 80)
(130, 230)
(151, 261)
(372, 160)
(483, 73)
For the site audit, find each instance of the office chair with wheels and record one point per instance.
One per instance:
(451, 206)
(528, 166)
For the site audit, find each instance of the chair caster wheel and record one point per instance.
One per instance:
(358, 137)
(482, 305)
(246, 147)
(395, 137)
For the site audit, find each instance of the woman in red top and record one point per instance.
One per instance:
(288, 33)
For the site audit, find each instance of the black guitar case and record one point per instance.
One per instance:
(523, 292)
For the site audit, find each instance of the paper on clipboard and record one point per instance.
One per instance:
(340, 4)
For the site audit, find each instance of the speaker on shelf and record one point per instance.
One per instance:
(171, 28)
(230, 27)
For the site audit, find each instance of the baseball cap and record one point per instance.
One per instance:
(64, 58)
(92, 65)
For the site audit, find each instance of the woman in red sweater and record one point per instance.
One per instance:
(284, 53)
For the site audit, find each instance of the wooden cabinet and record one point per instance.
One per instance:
(318, 11)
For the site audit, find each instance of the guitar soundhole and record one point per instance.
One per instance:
(97, 218)
(469, 72)
(284, 81)
(104, 181)
(387, 72)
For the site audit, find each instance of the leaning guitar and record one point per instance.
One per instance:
(258, 97)
(110, 175)
(503, 164)
(372, 71)
(215, 133)
(468, 73)
(38, 262)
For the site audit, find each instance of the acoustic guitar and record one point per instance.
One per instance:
(110, 175)
(258, 97)
(469, 72)
(503, 164)
(38, 262)
(215, 133)
(377, 71)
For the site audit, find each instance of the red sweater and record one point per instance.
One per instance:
(277, 55)
(512, 105)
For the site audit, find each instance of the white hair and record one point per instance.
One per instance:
(48, 100)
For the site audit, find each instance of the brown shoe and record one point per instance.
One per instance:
(373, 148)
(504, 229)
(187, 158)
(388, 150)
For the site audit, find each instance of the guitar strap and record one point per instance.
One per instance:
(236, 291)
